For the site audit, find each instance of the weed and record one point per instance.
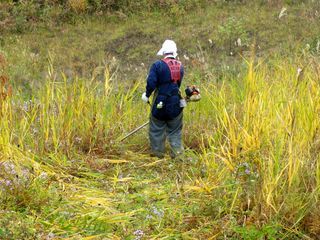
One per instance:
(232, 34)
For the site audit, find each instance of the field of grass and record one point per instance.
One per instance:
(251, 168)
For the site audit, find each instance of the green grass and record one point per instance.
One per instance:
(90, 42)
(251, 166)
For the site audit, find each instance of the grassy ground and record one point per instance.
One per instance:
(251, 166)
(132, 41)
(253, 172)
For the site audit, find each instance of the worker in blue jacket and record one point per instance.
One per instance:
(164, 80)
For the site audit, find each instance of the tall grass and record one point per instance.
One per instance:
(255, 139)
(263, 134)
(43, 142)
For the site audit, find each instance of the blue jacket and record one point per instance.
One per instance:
(167, 92)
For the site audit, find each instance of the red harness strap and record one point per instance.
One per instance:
(175, 69)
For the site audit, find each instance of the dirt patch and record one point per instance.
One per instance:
(134, 47)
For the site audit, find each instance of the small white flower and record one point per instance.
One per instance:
(78, 139)
(239, 42)
(186, 57)
(34, 131)
(299, 73)
(283, 12)
(43, 176)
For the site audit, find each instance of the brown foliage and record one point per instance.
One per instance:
(311, 222)
(5, 87)
(78, 6)
(2, 62)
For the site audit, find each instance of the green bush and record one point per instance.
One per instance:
(230, 31)
(252, 232)
(22, 15)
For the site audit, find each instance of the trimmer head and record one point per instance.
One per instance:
(193, 93)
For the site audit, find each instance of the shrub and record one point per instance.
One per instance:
(231, 32)
(78, 6)
(20, 16)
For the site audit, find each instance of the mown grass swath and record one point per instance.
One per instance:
(254, 138)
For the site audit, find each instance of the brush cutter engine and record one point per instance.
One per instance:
(193, 93)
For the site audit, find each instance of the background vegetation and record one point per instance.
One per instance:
(71, 77)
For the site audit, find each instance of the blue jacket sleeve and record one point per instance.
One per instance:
(152, 80)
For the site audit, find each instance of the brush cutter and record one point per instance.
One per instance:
(134, 131)
(193, 95)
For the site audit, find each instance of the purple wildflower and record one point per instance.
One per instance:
(139, 234)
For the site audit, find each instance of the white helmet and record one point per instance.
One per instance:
(168, 46)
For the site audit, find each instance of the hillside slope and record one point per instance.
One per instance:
(210, 40)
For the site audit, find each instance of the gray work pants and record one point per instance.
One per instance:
(160, 130)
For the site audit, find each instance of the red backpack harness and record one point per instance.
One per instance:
(175, 69)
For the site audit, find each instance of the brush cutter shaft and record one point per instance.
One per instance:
(192, 91)
(134, 131)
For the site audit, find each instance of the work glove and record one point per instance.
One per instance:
(145, 98)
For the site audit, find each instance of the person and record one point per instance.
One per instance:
(164, 80)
